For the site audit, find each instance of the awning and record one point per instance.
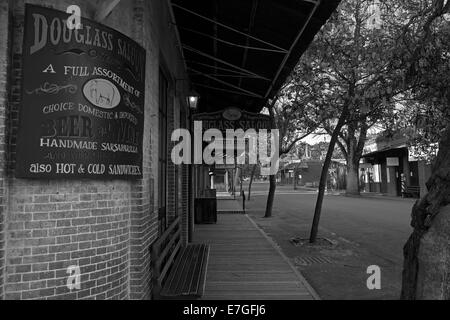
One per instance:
(240, 52)
(384, 150)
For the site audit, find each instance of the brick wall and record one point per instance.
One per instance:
(104, 227)
(4, 71)
(144, 217)
(54, 226)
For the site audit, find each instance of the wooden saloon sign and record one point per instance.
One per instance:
(234, 119)
(82, 113)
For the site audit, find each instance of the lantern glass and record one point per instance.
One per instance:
(193, 101)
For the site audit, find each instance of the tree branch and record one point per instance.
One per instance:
(293, 143)
(342, 147)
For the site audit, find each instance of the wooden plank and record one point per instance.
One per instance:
(227, 253)
(160, 265)
(188, 270)
(252, 276)
(256, 287)
(245, 268)
(169, 262)
(193, 286)
(244, 265)
(167, 233)
(174, 276)
(252, 297)
(165, 252)
(185, 279)
(202, 283)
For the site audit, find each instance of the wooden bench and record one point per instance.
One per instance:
(411, 191)
(179, 272)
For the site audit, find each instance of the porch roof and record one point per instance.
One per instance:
(384, 150)
(239, 53)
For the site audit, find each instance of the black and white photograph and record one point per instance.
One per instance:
(235, 157)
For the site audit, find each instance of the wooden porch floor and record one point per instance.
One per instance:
(244, 264)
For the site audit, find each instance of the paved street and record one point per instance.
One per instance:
(366, 231)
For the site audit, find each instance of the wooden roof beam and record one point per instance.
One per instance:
(223, 62)
(225, 83)
(227, 27)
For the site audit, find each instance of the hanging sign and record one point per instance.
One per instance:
(392, 162)
(234, 119)
(82, 112)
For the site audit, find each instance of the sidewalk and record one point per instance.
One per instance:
(224, 196)
(227, 204)
(372, 195)
(245, 264)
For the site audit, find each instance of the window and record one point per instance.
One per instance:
(163, 147)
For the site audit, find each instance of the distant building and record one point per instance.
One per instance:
(317, 151)
(307, 173)
(389, 168)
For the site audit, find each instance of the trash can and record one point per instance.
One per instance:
(206, 208)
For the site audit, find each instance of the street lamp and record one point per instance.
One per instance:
(193, 99)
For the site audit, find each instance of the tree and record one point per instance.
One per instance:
(363, 74)
(289, 112)
(324, 176)
(419, 54)
(424, 58)
(351, 67)
(357, 55)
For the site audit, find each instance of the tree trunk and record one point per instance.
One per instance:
(251, 182)
(272, 179)
(426, 269)
(271, 196)
(324, 176)
(355, 148)
(352, 177)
